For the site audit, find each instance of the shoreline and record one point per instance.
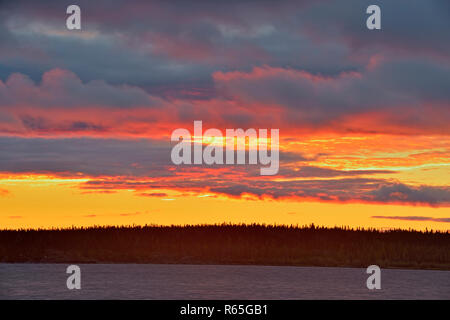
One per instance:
(217, 264)
(257, 245)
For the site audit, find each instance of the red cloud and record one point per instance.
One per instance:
(382, 98)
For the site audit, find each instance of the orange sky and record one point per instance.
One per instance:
(38, 200)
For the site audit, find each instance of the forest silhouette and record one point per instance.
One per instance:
(252, 244)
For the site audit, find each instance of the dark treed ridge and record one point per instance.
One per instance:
(230, 244)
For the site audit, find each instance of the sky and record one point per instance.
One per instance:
(86, 116)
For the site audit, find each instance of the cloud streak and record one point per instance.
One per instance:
(413, 218)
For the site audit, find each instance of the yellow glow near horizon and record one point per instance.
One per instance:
(62, 204)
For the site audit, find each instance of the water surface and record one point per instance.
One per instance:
(157, 281)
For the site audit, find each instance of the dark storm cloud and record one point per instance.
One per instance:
(411, 84)
(39, 124)
(403, 193)
(308, 171)
(115, 164)
(96, 157)
(135, 157)
(342, 190)
(92, 157)
(163, 42)
(322, 64)
(408, 26)
(62, 88)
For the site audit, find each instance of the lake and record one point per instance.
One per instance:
(157, 281)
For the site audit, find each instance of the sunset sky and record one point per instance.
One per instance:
(86, 115)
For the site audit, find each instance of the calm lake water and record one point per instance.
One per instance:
(153, 281)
